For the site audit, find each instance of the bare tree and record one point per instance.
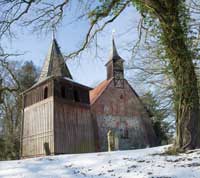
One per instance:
(167, 22)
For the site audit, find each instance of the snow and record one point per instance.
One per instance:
(143, 163)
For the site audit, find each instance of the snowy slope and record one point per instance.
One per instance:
(143, 163)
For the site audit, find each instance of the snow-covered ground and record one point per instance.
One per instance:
(143, 163)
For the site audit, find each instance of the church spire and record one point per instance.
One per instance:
(114, 54)
(54, 64)
(115, 67)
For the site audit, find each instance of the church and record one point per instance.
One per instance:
(61, 116)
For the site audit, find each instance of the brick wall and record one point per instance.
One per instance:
(122, 111)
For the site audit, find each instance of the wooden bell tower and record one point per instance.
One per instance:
(57, 117)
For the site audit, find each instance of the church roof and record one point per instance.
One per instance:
(97, 91)
(54, 64)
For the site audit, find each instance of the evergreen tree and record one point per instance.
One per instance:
(27, 75)
(162, 127)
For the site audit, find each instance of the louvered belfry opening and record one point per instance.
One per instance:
(45, 92)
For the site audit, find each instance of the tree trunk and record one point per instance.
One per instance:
(186, 89)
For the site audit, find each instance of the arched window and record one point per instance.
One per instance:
(76, 96)
(63, 94)
(45, 92)
(123, 130)
(126, 133)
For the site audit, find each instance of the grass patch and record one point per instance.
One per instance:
(172, 150)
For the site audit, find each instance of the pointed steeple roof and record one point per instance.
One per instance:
(54, 64)
(114, 56)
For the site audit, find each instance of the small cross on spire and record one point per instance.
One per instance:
(113, 33)
(53, 31)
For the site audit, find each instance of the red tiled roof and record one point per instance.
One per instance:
(97, 91)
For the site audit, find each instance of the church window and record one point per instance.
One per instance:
(45, 92)
(123, 131)
(63, 94)
(126, 133)
(76, 96)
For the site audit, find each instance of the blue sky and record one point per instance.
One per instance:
(87, 68)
